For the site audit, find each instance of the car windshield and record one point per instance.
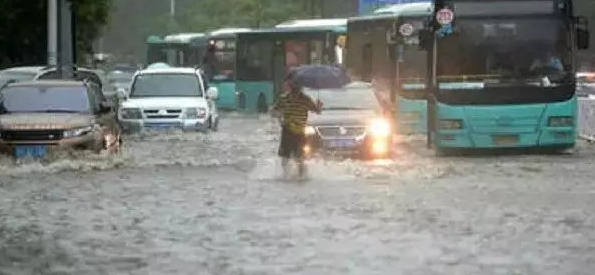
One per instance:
(347, 98)
(120, 80)
(18, 76)
(44, 99)
(166, 85)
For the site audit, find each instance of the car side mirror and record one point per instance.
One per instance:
(122, 94)
(212, 93)
(105, 107)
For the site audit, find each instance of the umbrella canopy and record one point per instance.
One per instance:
(319, 77)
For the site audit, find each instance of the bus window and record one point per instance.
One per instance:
(317, 52)
(296, 54)
(254, 61)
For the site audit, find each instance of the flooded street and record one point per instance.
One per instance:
(194, 204)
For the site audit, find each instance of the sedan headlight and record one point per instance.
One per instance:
(72, 133)
(194, 113)
(561, 121)
(130, 113)
(309, 130)
(450, 124)
(379, 127)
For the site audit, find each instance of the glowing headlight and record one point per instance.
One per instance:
(130, 113)
(450, 124)
(379, 127)
(77, 132)
(561, 121)
(309, 130)
(194, 113)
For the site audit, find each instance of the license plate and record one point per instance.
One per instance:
(506, 140)
(35, 151)
(341, 143)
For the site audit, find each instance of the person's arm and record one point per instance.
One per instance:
(314, 107)
(279, 105)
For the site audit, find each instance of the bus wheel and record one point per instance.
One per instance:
(262, 105)
(242, 101)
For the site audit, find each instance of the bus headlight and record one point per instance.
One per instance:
(379, 127)
(309, 130)
(561, 121)
(450, 124)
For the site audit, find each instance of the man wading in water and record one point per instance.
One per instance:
(293, 107)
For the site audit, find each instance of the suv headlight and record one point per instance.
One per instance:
(379, 127)
(309, 130)
(450, 124)
(77, 132)
(130, 113)
(561, 121)
(194, 113)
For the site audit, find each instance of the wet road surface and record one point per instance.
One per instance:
(194, 204)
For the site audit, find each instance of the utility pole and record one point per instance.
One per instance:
(433, 86)
(52, 33)
(172, 8)
(172, 16)
(65, 57)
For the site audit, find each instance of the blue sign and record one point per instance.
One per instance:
(369, 6)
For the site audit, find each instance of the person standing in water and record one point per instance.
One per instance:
(293, 107)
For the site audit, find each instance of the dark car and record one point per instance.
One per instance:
(37, 116)
(353, 122)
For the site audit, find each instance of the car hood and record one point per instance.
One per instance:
(169, 102)
(342, 117)
(44, 121)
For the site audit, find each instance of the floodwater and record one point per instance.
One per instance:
(188, 203)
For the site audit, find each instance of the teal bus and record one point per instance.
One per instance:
(503, 75)
(178, 50)
(265, 56)
(222, 76)
(379, 53)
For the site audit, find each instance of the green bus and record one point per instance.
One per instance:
(222, 74)
(178, 50)
(379, 52)
(265, 56)
(504, 75)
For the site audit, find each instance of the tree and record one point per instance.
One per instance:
(24, 33)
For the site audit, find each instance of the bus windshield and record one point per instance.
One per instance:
(223, 62)
(506, 51)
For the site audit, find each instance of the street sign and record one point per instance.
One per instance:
(445, 16)
(406, 29)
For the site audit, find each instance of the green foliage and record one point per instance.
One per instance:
(24, 33)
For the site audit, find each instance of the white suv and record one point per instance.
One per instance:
(169, 98)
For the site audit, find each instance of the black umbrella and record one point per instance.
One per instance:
(319, 77)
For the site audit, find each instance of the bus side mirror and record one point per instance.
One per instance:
(582, 39)
(582, 33)
(425, 39)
